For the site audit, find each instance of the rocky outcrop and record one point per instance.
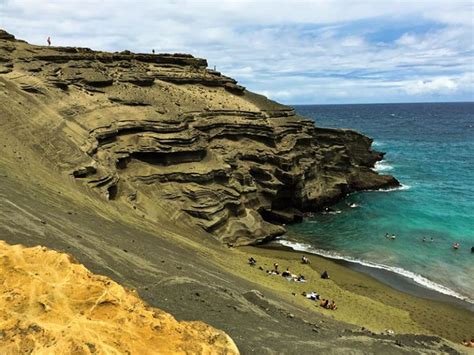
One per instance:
(51, 304)
(177, 141)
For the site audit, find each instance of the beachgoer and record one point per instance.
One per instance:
(431, 239)
(304, 260)
(153, 51)
(424, 239)
(312, 296)
(275, 266)
(387, 235)
(325, 275)
(456, 245)
(49, 41)
(286, 273)
(300, 278)
(252, 261)
(333, 306)
(324, 303)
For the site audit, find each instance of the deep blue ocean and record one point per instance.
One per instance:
(430, 150)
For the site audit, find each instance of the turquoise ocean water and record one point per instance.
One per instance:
(430, 150)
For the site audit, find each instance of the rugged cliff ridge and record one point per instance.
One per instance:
(177, 141)
(51, 304)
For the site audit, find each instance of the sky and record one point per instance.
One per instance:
(295, 52)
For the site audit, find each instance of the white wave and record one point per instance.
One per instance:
(353, 205)
(332, 212)
(402, 187)
(382, 166)
(378, 144)
(420, 280)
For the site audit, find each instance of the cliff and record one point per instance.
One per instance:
(176, 141)
(129, 162)
(53, 305)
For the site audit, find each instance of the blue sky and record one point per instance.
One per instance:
(317, 51)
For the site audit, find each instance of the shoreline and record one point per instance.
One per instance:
(362, 300)
(390, 278)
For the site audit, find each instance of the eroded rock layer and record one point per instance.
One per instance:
(50, 304)
(177, 141)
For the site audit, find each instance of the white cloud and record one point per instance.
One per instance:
(296, 51)
(429, 86)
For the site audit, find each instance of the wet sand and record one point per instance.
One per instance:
(406, 285)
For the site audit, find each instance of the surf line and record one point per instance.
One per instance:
(418, 279)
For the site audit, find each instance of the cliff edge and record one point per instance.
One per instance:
(176, 141)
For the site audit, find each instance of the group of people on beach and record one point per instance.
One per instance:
(286, 274)
(314, 296)
(325, 303)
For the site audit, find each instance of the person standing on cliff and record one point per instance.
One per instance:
(49, 41)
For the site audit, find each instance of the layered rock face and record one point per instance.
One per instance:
(177, 141)
(52, 305)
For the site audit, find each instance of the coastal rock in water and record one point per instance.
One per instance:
(191, 145)
(51, 304)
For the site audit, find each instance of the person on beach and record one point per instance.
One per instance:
(325, 275)
(324, 303)
(286, 273)
(300, 278)
(275, 267)
(469, 344)
(387, 235)
(252, 261)
(313, 296)
(424, 239)
(456, 246)
(332, 306)
(304, 260)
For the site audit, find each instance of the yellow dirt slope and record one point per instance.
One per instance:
(50, 304)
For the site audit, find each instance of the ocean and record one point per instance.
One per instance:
(430, 150)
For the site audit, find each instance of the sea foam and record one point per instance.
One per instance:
(402, 187)
(418, 279)
(382, 166)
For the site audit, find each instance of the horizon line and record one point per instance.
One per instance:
(381, 103)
